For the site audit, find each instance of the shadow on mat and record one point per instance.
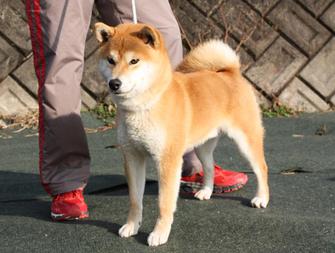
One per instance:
(151, 188)
(22, 195)
(111, 227)
(25, 187)
(18, 186)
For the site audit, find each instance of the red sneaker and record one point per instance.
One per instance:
(69, 206)
(224, 181)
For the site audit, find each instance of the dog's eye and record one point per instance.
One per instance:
(134, 61)
(111, 60)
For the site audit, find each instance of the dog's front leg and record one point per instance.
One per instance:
(135, 172)
(169, 180)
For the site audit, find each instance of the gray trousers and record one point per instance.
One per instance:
(58, 32)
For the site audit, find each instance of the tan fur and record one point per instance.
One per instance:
(207, 95)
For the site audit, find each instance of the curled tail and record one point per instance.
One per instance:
(214, 55)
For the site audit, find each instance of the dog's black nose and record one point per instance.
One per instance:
(115, 84)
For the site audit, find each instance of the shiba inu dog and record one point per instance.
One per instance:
(162, 113)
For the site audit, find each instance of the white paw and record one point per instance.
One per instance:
(128, 230)
(204, 194)
(158, 238)
(259, 202)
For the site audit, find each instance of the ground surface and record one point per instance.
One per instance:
(300, 216)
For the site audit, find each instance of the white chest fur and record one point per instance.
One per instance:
(138, 130)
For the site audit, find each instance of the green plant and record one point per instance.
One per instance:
(277, 110)
(105, 112)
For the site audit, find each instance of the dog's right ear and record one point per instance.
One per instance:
(103, 32)
(149, 36)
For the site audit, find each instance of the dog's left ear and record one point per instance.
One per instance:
(149, 36)
(103, 32)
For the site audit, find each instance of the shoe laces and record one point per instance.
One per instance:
(76, 194)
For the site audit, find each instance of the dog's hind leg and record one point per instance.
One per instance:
(249, 138)
(135, 173)
(205, 155)
(169, 170)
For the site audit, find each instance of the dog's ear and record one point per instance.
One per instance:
(103, 32)
(149, 36)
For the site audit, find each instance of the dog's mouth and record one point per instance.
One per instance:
(116, 92)
(122, 94)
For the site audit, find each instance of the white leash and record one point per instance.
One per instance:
(133, 6)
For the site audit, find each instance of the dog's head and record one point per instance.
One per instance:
(131, 57)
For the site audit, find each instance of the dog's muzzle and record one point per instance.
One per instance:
(115, 85)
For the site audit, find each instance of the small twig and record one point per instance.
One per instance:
(31, 135)
(20, 130)
(184, 35)
(226, 26)
(112, 146)
(98, 129)
(322, 130)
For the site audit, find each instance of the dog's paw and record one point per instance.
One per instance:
(204, 194)
(259, 202)
(128, 230)
(158, 238)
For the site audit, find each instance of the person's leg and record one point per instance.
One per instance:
(58, 33)
(156, 13)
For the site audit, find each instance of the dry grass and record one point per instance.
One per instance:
(20, 122)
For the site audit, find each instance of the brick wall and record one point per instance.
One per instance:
(287, 48)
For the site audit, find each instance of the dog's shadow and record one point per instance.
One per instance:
(243, 201)
(112, 228)
(151, 188)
